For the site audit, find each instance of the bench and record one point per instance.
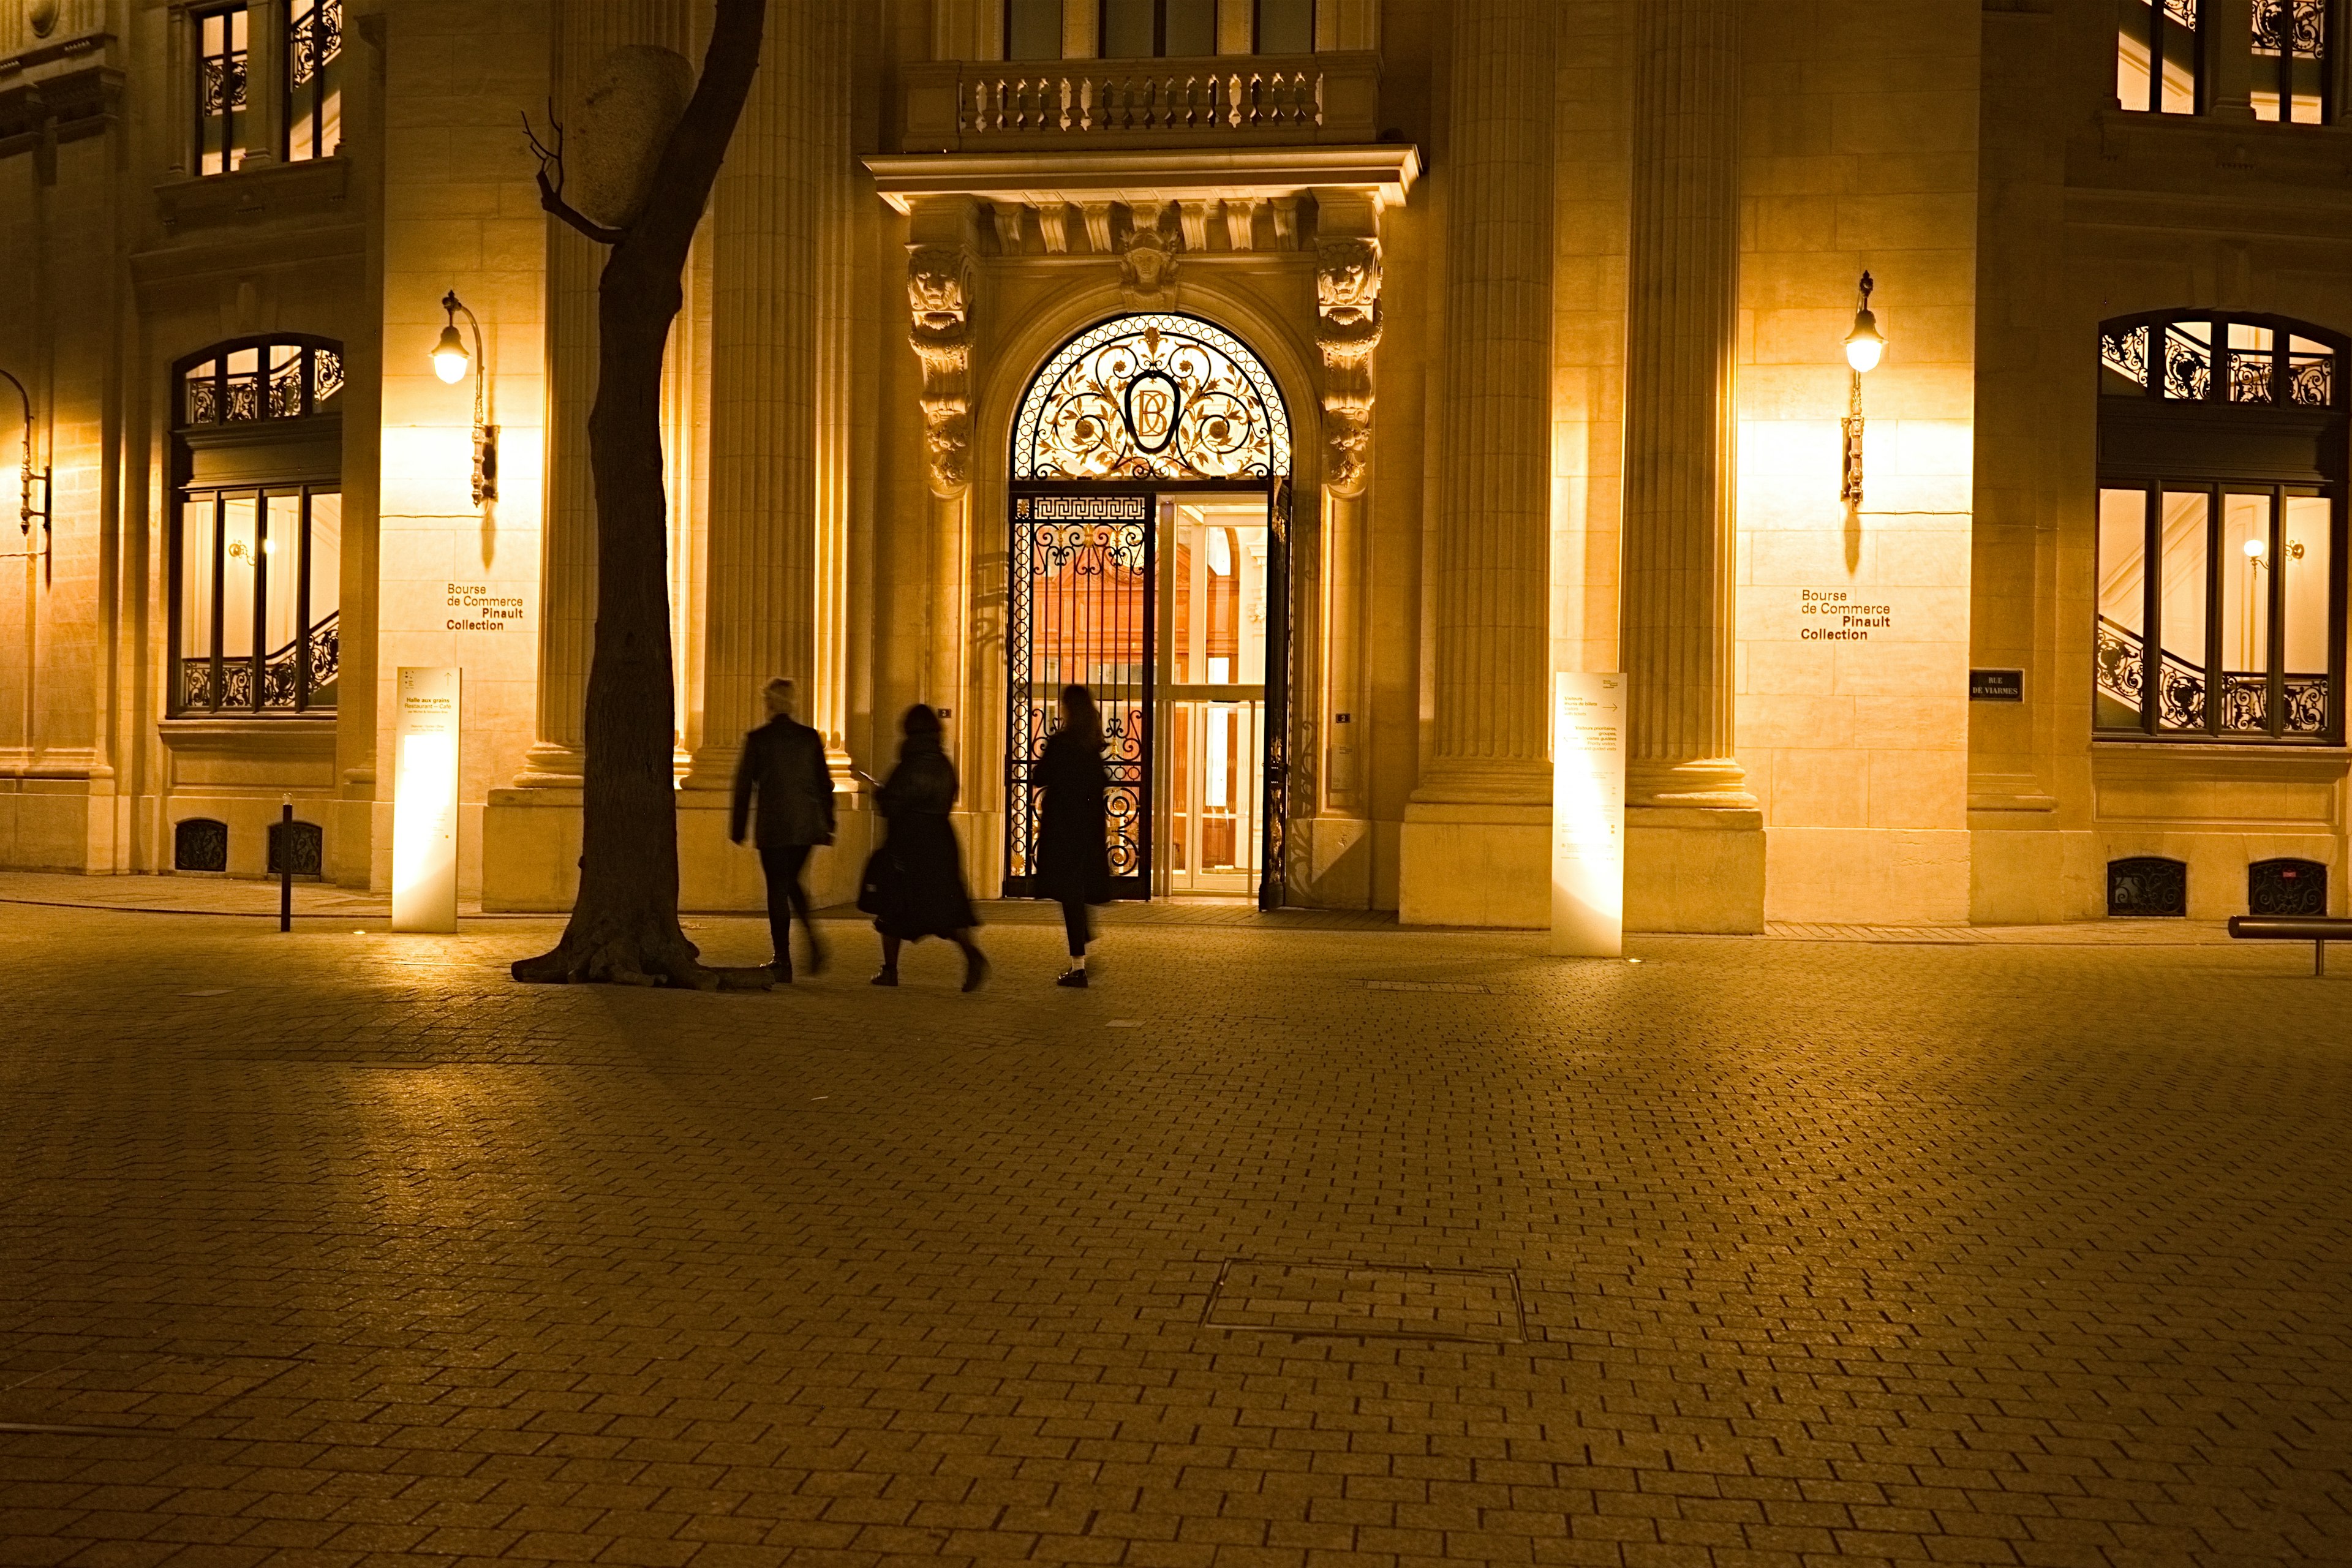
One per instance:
(2313, 928)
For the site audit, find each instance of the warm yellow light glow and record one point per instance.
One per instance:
(449, 356)
(1863, 345)
(1588, 814)
(424, 799)
(2255, 549)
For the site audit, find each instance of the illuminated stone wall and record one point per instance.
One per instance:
(1859, 152)
(460, 212)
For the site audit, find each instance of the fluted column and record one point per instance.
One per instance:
(767, 215)
(1492, 529)
(586, 31)
(1681, 458)
(828, 705)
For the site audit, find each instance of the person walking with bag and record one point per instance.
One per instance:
(784, 764)
(1072, 838)
(914, 885)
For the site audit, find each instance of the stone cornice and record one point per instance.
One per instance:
(1037, 179)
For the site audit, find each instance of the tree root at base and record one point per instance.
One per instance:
(615, 959)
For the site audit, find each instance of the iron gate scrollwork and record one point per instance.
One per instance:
(1080, 612)
(1274, 855)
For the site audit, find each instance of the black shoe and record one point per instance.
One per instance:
(888, 976)
(975, 970)
(1076, 979)
(781, 974)
(816, 957)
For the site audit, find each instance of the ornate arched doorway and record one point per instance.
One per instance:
(1148, 557)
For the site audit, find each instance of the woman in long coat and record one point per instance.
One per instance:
(1073, 843)
(914, 882)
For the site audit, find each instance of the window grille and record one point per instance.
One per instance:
(2290, 62)
(199, 844)
(2156, 59)
(2147, 885)
(314, 80)
(222, 100)
(2220, 530)
(261, 381)
(257, 543)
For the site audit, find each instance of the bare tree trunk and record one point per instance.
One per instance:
(624, 924)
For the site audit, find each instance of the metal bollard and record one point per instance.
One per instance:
(286, 866)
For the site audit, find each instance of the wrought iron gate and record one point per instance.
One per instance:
(1272, 857)
(1080, 610)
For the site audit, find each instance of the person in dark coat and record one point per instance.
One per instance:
(784, 764)
(914, 884)
(1073, 839)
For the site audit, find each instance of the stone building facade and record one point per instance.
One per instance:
(1313, 378)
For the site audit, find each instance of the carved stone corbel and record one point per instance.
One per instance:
(1346, 330)
(938, 293)
(1147, 264)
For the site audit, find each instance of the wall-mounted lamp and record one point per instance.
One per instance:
(1863, 345)
(24, 509)
(449, 362)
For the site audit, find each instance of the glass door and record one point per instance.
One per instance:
(1214, 562)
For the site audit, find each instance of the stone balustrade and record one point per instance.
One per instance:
(1221, 100)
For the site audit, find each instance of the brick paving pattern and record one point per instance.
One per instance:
(340, 1248)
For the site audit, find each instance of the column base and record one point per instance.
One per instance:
(550, 766)
(1690, 869)
(1474, 865)
(531, 850)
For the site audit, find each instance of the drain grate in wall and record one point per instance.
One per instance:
(1350, 1301)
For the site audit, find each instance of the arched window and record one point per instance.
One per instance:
(257, 536)
(2221, 529)
(1152, 397)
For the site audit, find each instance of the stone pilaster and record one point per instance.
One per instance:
(265, 24)
(1676, 619)
(1348, 283)
(1474, 845)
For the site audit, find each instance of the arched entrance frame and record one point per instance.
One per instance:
(1007, 367)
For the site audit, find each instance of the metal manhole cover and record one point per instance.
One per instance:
(1348, 1300)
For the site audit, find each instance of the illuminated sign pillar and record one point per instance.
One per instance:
(424, 801)
(1588, 814)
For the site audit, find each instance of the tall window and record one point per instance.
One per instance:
(221, 95)
(2156, 55)
(1139, 29)
(1033, 29)
(1149, 29)
(2221, 528)
(1286, 26)
(314, 79)
(256, 546)
(2290, 61)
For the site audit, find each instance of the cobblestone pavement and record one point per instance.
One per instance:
(1276, 1248)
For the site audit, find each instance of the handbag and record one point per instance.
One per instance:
(873, 883)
